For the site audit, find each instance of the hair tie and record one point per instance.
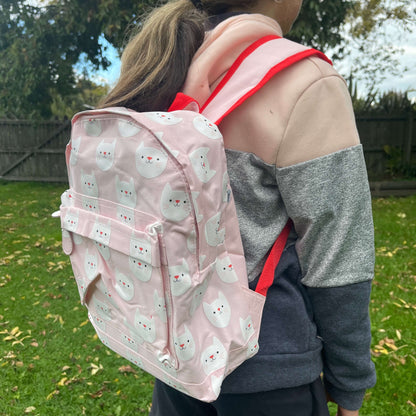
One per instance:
(197, 4)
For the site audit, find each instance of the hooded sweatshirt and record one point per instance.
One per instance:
(293, 151)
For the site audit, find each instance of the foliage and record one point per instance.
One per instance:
(52, 362)
(85, 95)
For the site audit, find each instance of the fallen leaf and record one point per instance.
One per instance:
(30, 409)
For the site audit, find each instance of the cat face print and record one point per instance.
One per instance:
(91, 205)
(127, 128)
(175, 205)
(145, 327)
(125, 215)
(103, 249)
(213, 234)
(247, 328)
(140, 269)
(105, 154)
(102, 309)
(167, 119)
(99, 322)
(160, 307)
(124, 286)
(226, 188)
(71, 221)
(185, 345)
(200, 164)
(126, 192)
(140, 249)
(101, 232)
(253, 348)
(90, 265)
(214, 357)
(208, 129)
(180, 279)
(92, 127)
(89, 184)
(130, 342)
(198, 295)
(150, 162)
(225, 270)
(218, 312)
(75, 145)
(135, 360)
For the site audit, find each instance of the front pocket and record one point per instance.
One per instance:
(122, 281)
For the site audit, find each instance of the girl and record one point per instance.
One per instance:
(292, 152)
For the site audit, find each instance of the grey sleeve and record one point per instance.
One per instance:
(329, 202)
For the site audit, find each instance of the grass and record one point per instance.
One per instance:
(51, 362)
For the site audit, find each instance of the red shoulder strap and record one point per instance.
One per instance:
(251, 71)
(267, 275)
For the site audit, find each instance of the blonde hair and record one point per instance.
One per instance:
(155, 62)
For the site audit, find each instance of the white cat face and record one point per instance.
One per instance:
(91, 205)
(71, 221)
(90, 265)
(92, 127)
(131, 342)
(247, 328)
(200, 164)
(124, 286)
(145, 327)
(204, 126)
(101, 233)
(141, 249)
(167, 119)
(75, 145)
(126, 192)
(218, 312)
(104, 155)
(214, 357)
(253, 347)
(125, 215)
(102, 309)
(175, 205)
(99, 322)
(198, 295)
(180, 279)
(185, 345)
(226, 189)
(225, 270)
(213, 234)
(135, 360)
(89, 184)
(103, 249)
(140, 269)
(160, 307)
(150, 162)
(127, 128)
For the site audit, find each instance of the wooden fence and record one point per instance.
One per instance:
(35, 151)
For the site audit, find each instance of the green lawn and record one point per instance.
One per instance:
(51, 362)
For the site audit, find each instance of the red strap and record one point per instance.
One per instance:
(267, 275)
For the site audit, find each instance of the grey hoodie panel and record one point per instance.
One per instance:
(329, 200)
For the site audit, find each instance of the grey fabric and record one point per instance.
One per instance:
(329, 201)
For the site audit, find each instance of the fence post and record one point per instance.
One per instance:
(407, 148)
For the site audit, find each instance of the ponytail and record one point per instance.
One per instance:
(155, 62)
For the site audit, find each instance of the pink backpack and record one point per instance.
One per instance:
(150, 225)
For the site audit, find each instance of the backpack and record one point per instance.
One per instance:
(150, 226)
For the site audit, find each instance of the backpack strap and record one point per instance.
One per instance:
(251, 71)
(267, 275)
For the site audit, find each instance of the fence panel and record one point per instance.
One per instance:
(35, 151)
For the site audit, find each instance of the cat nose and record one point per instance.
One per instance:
(176, 277)
(149, 158)
(211, 356)
(182, 345)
